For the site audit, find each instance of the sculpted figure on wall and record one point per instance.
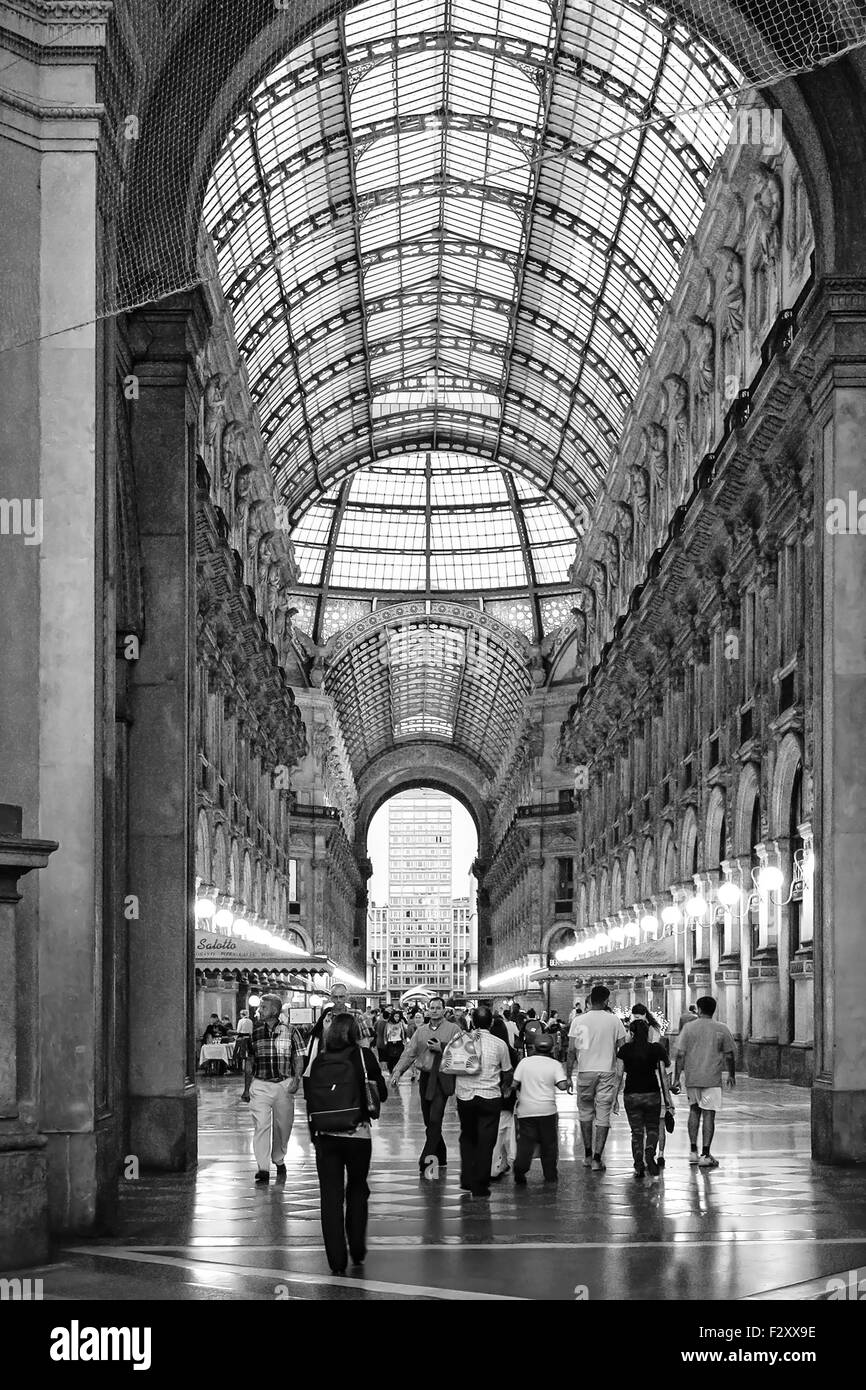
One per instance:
(766, 256)
(244, 497)
(656, 455)
(565, 750)
(214, 414)
(625, 527)
(798, 236)
(731, 317)
(258, 525)
(677, 417)
(282, 622)
(611, 555)
(703, 388)
(230, 463)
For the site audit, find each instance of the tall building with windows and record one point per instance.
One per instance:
(423, 935)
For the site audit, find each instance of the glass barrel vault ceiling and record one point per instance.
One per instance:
(435, 522)
(424, 246)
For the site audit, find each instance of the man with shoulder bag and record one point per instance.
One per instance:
(425, 1047)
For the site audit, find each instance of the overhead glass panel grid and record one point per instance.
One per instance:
(423, 243)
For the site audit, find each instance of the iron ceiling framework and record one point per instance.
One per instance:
(410, 675)
(359, 198)
(446, 233)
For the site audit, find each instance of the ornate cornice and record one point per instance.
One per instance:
(46, 111)
(55, 31)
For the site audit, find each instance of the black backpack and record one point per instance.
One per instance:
(333, 1093)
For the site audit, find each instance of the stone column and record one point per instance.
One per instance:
(762, 1054)
(727, 974)
(802, 973)
(839, 405)
(23, 1160)
(162, 742)
(51, 579)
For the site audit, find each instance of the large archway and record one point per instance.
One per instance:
(81, 794)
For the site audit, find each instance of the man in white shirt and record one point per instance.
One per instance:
(479, 1103)
(593, 1039)
(538, 1077)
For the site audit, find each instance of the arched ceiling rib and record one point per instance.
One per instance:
(410, 675)
(424, 247)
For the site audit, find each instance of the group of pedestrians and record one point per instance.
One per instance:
(344, 1088)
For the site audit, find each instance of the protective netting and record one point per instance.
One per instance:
(176, 73)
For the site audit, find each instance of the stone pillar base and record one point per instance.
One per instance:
(797, 1063)
(163, 1132)
(24, 1219)
(838, 1125)
(763, 1059)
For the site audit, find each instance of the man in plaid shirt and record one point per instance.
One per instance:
(272, 1074)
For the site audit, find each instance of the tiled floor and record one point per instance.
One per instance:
(767, 1220)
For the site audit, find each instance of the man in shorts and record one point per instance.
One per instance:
(593, 1039)
(703, 1050)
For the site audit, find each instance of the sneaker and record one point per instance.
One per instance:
(707, 1161)
(587, 1160)
(552, 1181)
(638, 1172)
(651, 1166)
(597, 1165)
(693, 1157)
(281, 1170)
(262, 1177)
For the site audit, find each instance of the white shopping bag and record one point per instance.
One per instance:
(505, 1151)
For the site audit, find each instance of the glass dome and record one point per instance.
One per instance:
(436, 522)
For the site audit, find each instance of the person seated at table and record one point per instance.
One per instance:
(213, 1031)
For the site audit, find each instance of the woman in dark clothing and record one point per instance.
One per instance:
(395, 1039)
(656, 1036)
(645, 1083)
(343, 1159)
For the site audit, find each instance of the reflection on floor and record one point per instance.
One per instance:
(766, 1220)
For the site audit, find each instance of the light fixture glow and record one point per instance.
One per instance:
(770, 878)
(728, 893)
(347, 978)
(670, 915)
(696, 906)
(649, 922)
(204, 907)
(241, 927)
(224, 917)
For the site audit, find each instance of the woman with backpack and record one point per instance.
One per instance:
(343, 1092)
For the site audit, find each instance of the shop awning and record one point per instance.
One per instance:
(219, 953)
(648, 958)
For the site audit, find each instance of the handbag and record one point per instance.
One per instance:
(371, 1091)
(670, 1118)
(462, 1056)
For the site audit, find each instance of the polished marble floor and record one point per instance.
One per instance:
(768, 1223)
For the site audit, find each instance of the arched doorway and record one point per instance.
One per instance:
(422, 915)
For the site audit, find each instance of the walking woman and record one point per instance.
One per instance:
(395, 1039)
(655, 1036)
(342, 1070)
(645, 1084)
